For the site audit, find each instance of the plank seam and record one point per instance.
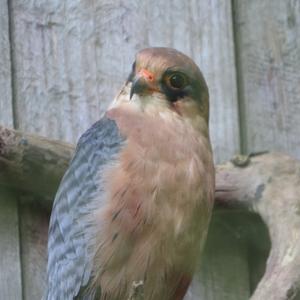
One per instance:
(12, 65)
(21, 248)
(239, 82)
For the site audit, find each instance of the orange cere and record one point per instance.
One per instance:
(147, 75)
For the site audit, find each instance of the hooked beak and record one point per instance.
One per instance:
(142, 83)
(139, 86)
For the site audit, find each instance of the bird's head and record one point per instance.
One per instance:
(167, 78)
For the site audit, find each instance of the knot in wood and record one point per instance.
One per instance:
(5, 136)
(241, 160)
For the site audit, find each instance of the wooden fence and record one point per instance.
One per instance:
(61, 63)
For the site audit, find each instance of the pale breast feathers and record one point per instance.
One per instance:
(159, 195)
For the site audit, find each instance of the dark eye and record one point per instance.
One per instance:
(177, 81)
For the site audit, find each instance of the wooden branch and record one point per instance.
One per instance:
(268, 184)
(32, 164)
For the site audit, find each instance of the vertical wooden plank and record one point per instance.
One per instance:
(34, 233)
(10, 267)
(10, 264)
(268, 44)
(203, 30)
(71, 57)
(6, 114)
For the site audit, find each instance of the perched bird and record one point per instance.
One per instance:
(136, 200)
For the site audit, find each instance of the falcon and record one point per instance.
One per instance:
(135, 203)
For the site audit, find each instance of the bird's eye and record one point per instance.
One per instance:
(177, 81)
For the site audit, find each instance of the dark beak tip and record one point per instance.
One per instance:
(138, 86)
(131, 93)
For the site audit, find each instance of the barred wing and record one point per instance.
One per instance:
(69, 256)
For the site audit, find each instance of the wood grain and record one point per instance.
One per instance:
(6, 113)
(34, 233)
(71, 57)
(10, 266)
(269, 185)
(268, 48)
(32, 164)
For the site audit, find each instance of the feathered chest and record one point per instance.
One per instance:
(159, 198)
(163, 175)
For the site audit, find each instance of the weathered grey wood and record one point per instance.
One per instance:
(32, 164)
(269, 185)
(34, 233)
(211, 44)
(10, 265)
(268, 44)
(71, 57)
(6, 115)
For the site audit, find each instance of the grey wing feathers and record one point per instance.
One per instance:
(69, 255)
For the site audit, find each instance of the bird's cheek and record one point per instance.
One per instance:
(177, 107)
(187, 108)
